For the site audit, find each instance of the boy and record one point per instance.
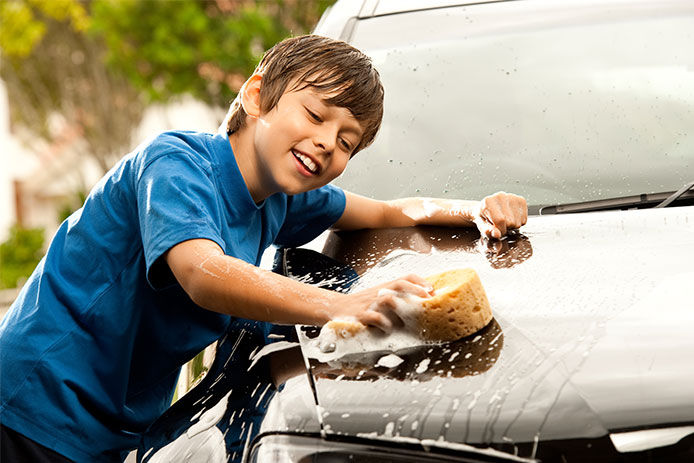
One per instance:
(162, 256)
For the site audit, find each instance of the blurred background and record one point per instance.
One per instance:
(82, 82)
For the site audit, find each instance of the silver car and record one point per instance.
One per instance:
(584, 107)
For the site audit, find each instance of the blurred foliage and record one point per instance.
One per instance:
(19, 255)
(89, 67)
(205, 48)
(60, 92)
(71, 204)
(22, 29)
(197, 369)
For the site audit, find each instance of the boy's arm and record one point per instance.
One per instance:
(228, 285)
(494, 215)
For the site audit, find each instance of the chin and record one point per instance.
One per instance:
(297, 189)
(293, 188)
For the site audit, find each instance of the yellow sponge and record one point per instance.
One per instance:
(458, 308)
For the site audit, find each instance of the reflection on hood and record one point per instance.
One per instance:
(468, 356)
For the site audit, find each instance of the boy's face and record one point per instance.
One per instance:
(303, 142)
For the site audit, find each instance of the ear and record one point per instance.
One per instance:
(250, 95)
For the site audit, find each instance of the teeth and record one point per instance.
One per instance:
(310, 165)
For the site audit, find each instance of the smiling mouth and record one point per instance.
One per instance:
(305, 161)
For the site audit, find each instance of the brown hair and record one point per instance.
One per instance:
(326, 65)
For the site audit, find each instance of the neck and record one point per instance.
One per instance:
(242, 144)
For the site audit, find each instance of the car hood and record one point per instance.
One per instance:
(592, 333)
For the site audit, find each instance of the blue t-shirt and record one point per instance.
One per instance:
(91, 349)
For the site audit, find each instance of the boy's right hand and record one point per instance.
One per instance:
(376, 306)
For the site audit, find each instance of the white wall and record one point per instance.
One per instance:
(184, 114)
(17, 162)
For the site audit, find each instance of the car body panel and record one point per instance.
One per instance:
(595, 312)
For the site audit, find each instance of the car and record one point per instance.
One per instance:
(586, 108)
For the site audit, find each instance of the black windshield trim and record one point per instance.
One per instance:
(635, 201)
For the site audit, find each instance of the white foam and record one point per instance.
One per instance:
(269, 349)
(389, 361)
(423, 366)
(331, 345)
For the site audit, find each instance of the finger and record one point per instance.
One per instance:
(493, 213)
(486, 228)
(386, 304)
(404, 285)
(393, 318)
(377, 320)
(423, 289)
(509, 216)
(386, 301)
(494, 228)
(416, 279)
(518, 211)
(510, 211)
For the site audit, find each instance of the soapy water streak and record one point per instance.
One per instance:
(539, 367)
(331, 344)
(429, 208)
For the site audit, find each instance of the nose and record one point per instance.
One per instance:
(325, 138)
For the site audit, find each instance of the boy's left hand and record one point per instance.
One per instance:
(500, 213)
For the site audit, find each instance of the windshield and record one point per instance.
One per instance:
(559, 104)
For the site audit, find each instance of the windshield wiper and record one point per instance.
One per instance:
(641, 201)
(677, 194)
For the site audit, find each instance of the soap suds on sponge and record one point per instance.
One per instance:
(459, 307)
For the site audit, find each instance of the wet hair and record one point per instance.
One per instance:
(329, 67)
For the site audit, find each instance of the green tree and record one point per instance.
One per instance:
(205, 48)
(19, 255)
(22, 29)
(56, 76)
(95, 64)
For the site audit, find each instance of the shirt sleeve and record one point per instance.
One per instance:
(177, 201)
(310, 214)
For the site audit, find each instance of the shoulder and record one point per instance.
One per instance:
(176, 146)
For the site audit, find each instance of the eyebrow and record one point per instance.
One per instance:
(355, 129)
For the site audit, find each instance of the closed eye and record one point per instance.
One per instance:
(314, 116)
(345, 144)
